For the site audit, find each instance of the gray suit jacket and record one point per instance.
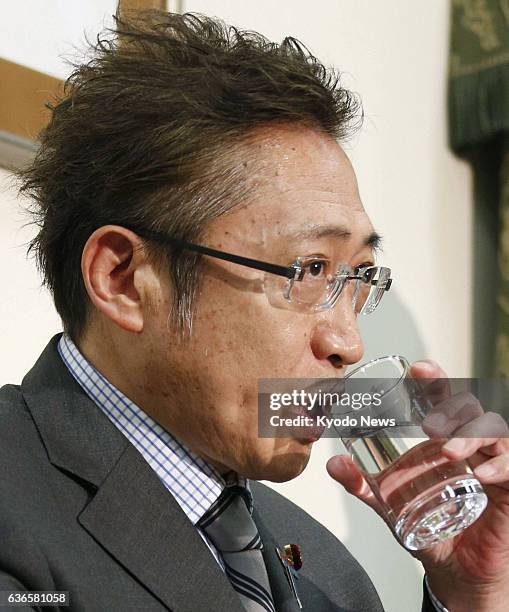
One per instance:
(81, 511)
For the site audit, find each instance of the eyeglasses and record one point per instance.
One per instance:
(305, 285)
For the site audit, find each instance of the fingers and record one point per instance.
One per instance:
(485, 429)
(477, 434)
(342, 469)
(462, 448)
(448, 417)
(475, 450)
(494, 470)
(462, 416)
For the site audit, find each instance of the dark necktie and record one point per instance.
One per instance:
(230, 527)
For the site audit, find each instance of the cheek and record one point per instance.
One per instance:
(250, 337)
(239, 337)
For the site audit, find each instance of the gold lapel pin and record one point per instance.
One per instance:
(293, 556)
(291, 560)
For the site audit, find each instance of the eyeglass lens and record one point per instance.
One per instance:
(321, 292)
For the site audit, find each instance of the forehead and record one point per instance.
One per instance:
(300, 179)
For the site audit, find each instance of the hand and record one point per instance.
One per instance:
(470, 572)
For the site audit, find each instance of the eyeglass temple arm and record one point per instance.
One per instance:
(287, 272)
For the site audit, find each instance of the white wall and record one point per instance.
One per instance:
(394, 54)
(41, 34)
(27, 316)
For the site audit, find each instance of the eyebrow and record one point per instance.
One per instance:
(373, 240)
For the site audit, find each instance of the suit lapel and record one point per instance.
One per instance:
(131, 514)
(77, 436)
(140, 524)
(282, 593)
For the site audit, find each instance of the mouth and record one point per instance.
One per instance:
(305, 419)
(328, 389)
(307, 429)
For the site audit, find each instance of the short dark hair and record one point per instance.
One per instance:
(147, 133)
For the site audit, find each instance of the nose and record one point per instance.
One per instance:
(336, 336)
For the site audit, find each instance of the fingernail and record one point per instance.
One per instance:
(456, 445)
(424, 365)
(485, 471)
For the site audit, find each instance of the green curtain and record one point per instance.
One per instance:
(479, 132)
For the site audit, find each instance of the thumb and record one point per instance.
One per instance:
(343, 470)
(427, 368)
(433, 380)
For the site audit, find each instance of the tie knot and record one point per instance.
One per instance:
(228, 522)
(243, 492)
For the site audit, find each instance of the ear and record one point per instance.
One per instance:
(117, 276)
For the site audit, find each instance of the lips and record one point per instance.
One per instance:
(300, 406)
(309, 431)
(324, 386)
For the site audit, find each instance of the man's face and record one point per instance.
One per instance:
(205, 390)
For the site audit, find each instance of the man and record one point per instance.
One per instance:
(130, 450)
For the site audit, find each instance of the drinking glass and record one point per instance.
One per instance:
(425, 497)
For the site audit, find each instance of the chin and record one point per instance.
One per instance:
(283, 465)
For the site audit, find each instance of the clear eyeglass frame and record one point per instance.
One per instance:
(295, 287)
(305, 292)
